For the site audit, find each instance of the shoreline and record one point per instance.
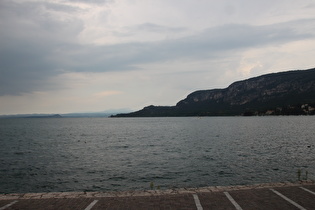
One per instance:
(175, 191)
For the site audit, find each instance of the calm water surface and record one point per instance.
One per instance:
(103, 154)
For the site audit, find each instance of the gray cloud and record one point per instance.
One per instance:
(28, 41)
(147, 27)
(57, 7)
(92, 1)
(36, 47)
(208, 44)
(151, 27)
(23, 67)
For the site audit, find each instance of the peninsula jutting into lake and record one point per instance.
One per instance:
(283, 93)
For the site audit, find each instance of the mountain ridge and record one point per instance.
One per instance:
(282, 93)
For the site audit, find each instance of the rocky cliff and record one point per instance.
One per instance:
(278, 93)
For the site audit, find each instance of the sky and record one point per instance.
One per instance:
(64, 56)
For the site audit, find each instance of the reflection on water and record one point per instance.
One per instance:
(102, 154)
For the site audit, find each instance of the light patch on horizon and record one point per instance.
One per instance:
(107, 93)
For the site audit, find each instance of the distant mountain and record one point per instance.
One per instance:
(45, 116)
(284, 93)
(106, 113)
(32, 116)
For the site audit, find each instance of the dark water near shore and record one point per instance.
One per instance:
(102, 154)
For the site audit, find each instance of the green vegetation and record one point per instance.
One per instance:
(300, 173)
(152, 186)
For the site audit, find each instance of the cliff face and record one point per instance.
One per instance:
(281, 88)
(256, 96)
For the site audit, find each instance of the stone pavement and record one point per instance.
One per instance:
(262, 196)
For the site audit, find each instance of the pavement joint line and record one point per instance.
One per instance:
(8, 205)
(288, 199)
(238, 207)
(307, 190)
(197, 202)
(89, 207)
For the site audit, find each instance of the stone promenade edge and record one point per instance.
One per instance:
(174, 191)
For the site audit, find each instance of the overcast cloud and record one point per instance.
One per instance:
(60, 56)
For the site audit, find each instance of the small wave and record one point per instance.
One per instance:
(117, 178)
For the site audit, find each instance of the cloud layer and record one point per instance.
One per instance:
(113, 50)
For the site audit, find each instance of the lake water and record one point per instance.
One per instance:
(109, 154)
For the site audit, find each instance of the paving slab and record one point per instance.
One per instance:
(215, 200)
(4, 202)
(298, 195)
(255, 197)
(148, 202)
(260, 199)
(310, 187)
(51, 204)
